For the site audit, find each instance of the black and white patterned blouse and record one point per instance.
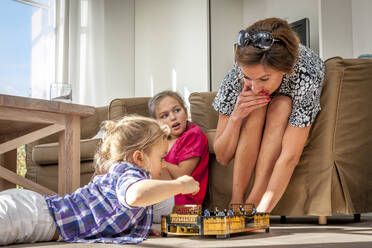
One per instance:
(303, 86)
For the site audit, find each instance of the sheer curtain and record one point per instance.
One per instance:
(80, 48)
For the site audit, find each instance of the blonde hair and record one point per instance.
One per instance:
(154, 101)
(125, 136)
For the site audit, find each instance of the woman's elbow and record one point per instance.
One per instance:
(222, 160)
(221, 155)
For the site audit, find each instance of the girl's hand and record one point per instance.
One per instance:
(188, 185)
(248, 102)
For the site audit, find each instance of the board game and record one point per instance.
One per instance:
(189, 220)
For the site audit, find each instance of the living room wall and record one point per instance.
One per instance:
(171, 46)
(119, 44)
(337, 27)
(138, 48)
(289, 10)
(186, 45)
(336, 30)
(228, 17)
(361, 26)
(100, 51)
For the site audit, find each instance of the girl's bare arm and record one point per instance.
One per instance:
(148, 191)
(186, 167)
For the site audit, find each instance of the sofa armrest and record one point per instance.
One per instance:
(90, 126)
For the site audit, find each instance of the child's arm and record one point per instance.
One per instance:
(148, 191)
(186, 167)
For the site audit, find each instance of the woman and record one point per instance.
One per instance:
(267, 104)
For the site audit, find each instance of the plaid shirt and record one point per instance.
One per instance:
(98, 212)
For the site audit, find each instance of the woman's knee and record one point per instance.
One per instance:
(280, 105)
(255, 120)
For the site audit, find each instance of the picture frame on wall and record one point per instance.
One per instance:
(302, 28)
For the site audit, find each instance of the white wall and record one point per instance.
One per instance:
(119, 47)
(226, 21)
(290, 10)
(171, 46)
(228, 17)
(151, 46)
(102, 52)
(337, 35)
(361, 26)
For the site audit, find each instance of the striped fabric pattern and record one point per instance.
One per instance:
(98, 211)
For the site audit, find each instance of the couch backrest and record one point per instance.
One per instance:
(125, 106)
(347, 90)
(353, 119)
(202, 112)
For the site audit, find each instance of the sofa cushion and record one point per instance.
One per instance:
(48, 153)
(126, 106)
(202, 113)
(91, 125)
(116, 109)
(47, 175)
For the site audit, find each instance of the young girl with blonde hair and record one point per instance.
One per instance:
(115, 207)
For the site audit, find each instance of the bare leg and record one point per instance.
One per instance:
(246, 153)
(276, 187)
(276, 123)
(293, 142)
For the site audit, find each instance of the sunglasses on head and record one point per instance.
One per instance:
(262, 40)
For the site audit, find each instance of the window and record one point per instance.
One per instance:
(27, 47)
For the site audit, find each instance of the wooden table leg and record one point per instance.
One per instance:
(69, 156)
(10, 162)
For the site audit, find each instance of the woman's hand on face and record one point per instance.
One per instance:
(248, 102)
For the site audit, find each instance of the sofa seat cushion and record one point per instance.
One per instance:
(48, 153)
(47, 175)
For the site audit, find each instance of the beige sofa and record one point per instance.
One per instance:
(333, 175)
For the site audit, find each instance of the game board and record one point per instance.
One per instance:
(189, 220)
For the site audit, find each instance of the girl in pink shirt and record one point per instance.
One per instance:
(188, 148)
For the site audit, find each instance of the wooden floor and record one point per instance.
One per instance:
(340, 232)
